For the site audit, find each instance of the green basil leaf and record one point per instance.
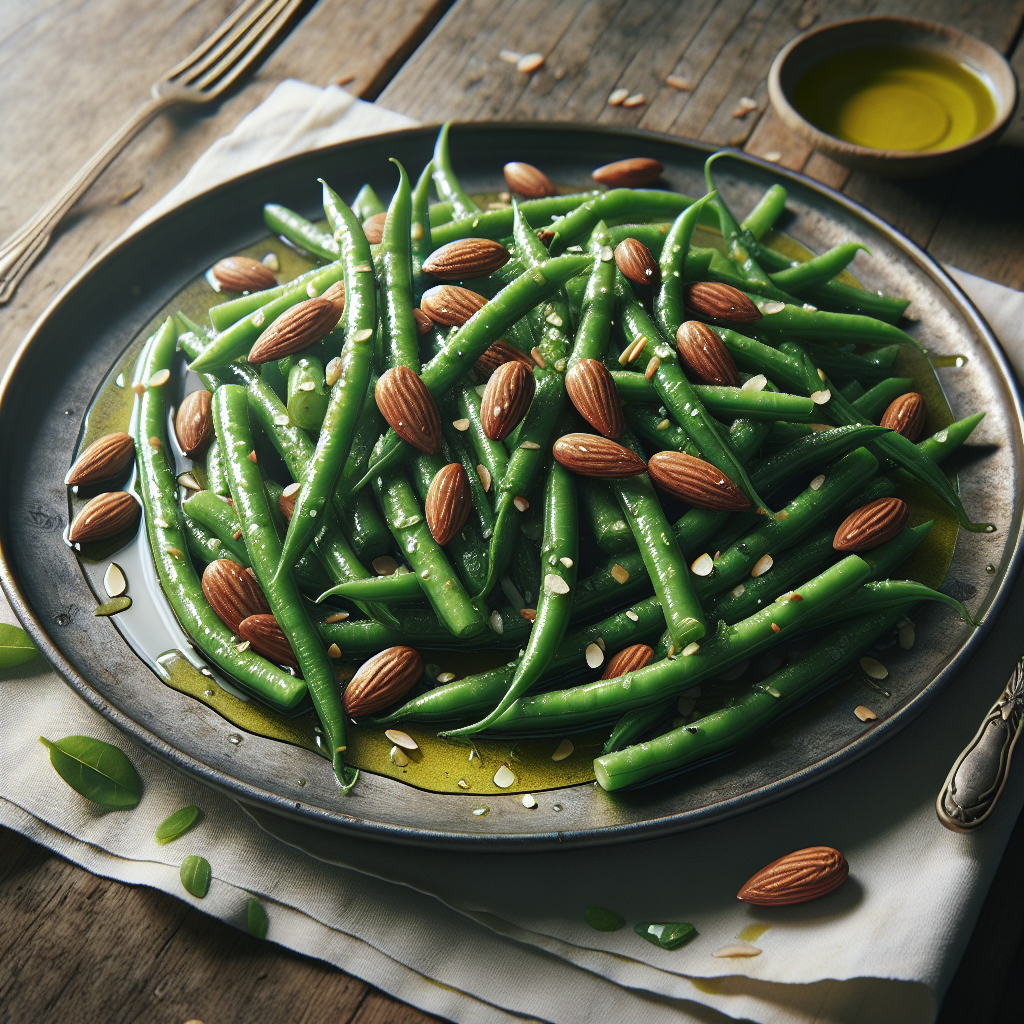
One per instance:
(177, 824)
(195, 876)
(100, 772)
(667, 936)
(258, 921)
(604, 920)
(16, 646)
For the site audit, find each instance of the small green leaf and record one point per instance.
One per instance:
(16, 646)
(114, 605)
(604, 920)
(100, 772)
(195, 876)
(667, 936)
(177, 824)
(258, 921)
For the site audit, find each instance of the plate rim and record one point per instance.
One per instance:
(650, 828)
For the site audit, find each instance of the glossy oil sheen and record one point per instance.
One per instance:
(895, 98)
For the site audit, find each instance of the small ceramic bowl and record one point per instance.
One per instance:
(820, 44)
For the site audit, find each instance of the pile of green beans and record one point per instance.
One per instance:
(559, 568)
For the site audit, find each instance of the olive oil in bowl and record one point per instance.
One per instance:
(902, 98)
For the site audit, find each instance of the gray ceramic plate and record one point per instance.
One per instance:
(91, 323)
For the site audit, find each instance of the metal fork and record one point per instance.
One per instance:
(202, 77)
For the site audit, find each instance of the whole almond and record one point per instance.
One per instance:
(633, 173)
(872, 524)
(106, 515)
(637, 264)
(507, 396)
(373, 227)
(233, 593)
(592, 455)
(382, 680)
(423, 322)
(497, 354)
(295, 329)
(796, 878)
(720, 302)
(707, 359)
(336, 294)
(628, 660)
(451, 305)
(193, 424)
(528, 181)
(105, 458)
(695, 481)
(465, 258)
(592, 390)
(409, 408)
(242, 274)
(448, 502)
(267, 638)
(906, 415)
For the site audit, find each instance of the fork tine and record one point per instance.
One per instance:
(251, 17)
(212, 40)
(234, 64)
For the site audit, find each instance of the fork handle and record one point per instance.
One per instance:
(24, 247)
(979, 773)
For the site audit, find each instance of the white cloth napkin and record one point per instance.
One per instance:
(486, 937)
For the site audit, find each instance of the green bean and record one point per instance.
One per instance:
(349, 392)
(604, 517)
(634, 724)
(300, 231)
(227, 313)
(445, 181)
(845, 364)
(662, 557)
(821, 269)
(763, 216)
(231, 421)
(597, 301)
(668, 303)
(216, 472)
(421, 243)
(756, 357)
(497, 224)
(658, 431)
(559, 555)
(217, 516)
(800, 322)
(678, 395)
(462, 616)
(727, 728)
(363, 526)
(456, 449)
(881, 594)
(167, 544)
(873, 403)
(525, 570)
(592, 703)
(398, 588)
(440, 212)
(366, 204)
(238, 339)
(396, 278)
(490, 454)
(307, 394)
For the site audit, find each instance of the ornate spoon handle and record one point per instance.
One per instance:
(979, 773)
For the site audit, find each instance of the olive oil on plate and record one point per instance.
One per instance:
(897, 98)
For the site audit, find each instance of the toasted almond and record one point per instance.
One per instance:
(336, 294)
(592, 390)
(508, 395)
(373, 227)
(233, 593)
(865, 714)
(906, 415)
(527, 180)
(592, 455)
(617, 96)
(497, 354)
(872, 524)
(286, 503)
(104, 459)
(530, 63)
(707, 359)
(637, 264)
(381, 680)
(678, 82)
(448, 503)
(296, 328)
(720, 302)
(409, 408)
(193, 424)
(530, 614)
(242, 274)
(450, 304)
(638, 99)
(796, 878)
(106, 515)
(695, 481)
(423, 322)
(632, 173)
(484, 474)
(465, 258)
(628, 660)
(267, 638)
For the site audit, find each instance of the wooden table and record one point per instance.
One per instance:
(70, 73)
